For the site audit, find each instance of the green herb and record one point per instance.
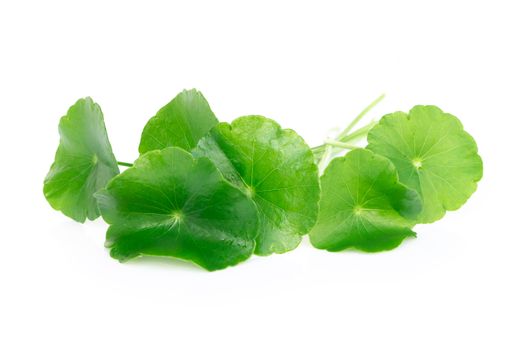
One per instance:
(215, 193)
(171, 204)
(181, 123)
(84, 162)
(276, 169)
(433, 155)
(363, 205)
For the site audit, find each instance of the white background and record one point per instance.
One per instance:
(311, 66)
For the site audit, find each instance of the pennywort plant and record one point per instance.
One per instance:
(214, 193)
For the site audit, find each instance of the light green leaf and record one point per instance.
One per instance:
(84, 162)
(363, 205)
(276, 169)
(171, 204)
(433, 155)
(180, 123)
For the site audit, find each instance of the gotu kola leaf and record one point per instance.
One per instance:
(363, 205)
(181, 123)
(171, 204)
(84, 162)
(275, 167)
(433, 155)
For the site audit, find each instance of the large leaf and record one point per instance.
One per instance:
(84, 162)
(276, 169)
(363, 205)
(182, 122)
(171, 204)
(433, 155)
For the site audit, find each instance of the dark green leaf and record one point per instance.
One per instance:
(171, 204)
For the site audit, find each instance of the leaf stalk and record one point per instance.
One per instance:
(125, 164)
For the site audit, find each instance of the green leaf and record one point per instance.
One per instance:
(433, 155)
(181, 123)
(84, 162)
(363, 205)
(172, 204)
(276, 169)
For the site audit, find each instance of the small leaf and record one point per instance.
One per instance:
(84, 162)
(363, 205)
(181, 123)
(433, 155)
(171, 204)
(276, 169)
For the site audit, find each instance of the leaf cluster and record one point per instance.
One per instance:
(214, 193)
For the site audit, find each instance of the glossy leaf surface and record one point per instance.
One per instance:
(84, 162)
(181, 123)
(276, 169)
(363, 205)
(171, 204)
(433, 155)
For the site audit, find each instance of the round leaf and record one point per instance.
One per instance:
(276, 169)
(433, 155)
(84, 162)
(182, 122)
(171, 204)
(363, 205)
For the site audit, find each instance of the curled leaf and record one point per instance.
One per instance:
(84, 162)
(363, 205)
